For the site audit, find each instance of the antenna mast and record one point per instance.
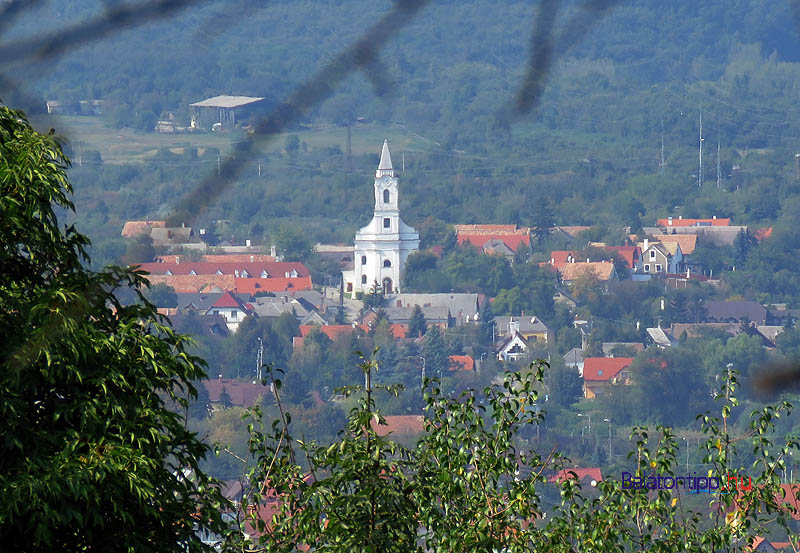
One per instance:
(700, 171)
(259, 358)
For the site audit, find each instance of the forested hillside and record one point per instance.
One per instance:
(591, 149)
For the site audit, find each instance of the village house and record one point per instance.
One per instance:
(241, 393)
(462, 308)
(461, 363)
(573, 359)
(661, 258)
(224, 112)
(231, 308)
(603, 271)
(601, 372)
(510, 236)
(529, 327)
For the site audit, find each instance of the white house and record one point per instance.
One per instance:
(382, 247)
(231, 308)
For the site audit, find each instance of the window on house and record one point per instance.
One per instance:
(600, 372)
(349, 286)
(363, 279)
(386, 196)
(387, 222)
(264, 274)
(658, 268)
(387, 263)
(652, 254)
(647, 268)
(234, 314)
(363, 259)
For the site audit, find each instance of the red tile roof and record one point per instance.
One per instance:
(629, 254)
(687, 242)
(242, 393)
(603, 270)
(674, 222)
(195, 283)
(560, 257)
(762, 233)
(593, 473)
(462, 363)
(408, 425)
(229, 300)
(331, 331)
(255, 285)
(134, 228)
(511, 240)
(254, 269)
(604, 368)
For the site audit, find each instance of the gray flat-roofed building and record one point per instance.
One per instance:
(226, 110)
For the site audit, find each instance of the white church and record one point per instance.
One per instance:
(382, 247)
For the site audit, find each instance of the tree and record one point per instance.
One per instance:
(417, 324)
(542, 219)
(91, 458)
(162, 295)
(140, 249)
(293, 243)
(435, 352)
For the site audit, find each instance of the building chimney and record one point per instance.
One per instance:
(669, 221)
(680, 216)
(646, 244)
(273, 250)
(247, 242)
(252, 258)
(714, 217)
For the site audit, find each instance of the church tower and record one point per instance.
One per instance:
(382, 247)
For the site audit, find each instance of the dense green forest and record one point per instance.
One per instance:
(591, 148)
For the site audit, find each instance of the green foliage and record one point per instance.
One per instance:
(471, 483)
(140, 249)
(417, 326)
(435, 352)
(92, 458)
(162, 295)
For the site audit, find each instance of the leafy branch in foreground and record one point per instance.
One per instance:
(91, 457)
(469, 485)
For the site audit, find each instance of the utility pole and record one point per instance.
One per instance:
(608, 461)
(719, 167)
(348, 161)
(404, 161)
(259, 167)
(259, 358)
(218, 166)
(662, 165)
(700, 171)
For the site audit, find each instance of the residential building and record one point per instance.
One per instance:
(661, 258)
(513, 347)
(590, 476)
(736, 311)
(671, 222)
(511, 236)
(661, 337)
(462, 308)
(243, 393)
(462, 363)
(573, 359)
(434, 315)
(529, 327)
(602, 270)
(609, 347)
(601, 372)
(232, 309)
(382, 247)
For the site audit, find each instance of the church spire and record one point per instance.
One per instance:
(385, 165)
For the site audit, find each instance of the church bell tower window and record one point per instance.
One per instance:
(387, 222)
(386, 196)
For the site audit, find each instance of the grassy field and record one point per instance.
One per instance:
(121, 146)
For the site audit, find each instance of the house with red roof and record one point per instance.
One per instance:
(601, 372)
(670, 222)
(488, 237)
(462, 363)
(589, 476)
(400, 425)
(231, 308)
